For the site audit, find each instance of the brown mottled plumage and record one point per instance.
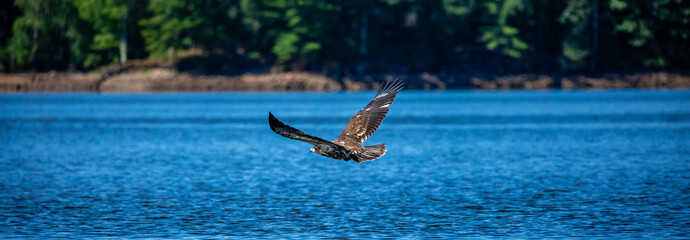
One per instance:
(348, 146)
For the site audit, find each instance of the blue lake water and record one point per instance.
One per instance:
(608, 164)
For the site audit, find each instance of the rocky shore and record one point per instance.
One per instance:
(161, 79)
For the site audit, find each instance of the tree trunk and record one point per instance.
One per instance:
(595, 35)
(363, 33)
(34, 46)
(123, 39)
(12, 60)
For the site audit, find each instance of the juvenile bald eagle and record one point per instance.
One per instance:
(348, 146)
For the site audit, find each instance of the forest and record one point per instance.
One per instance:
(353, 36)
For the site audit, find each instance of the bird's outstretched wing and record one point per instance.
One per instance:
(285, 130)
(363, 124)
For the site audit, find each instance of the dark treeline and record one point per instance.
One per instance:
(349, 36)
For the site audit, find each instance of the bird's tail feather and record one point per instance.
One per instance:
(369, 153)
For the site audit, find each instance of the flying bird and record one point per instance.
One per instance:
(348, 146)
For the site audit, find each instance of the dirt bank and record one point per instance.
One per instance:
(161, 79)
(166, 79)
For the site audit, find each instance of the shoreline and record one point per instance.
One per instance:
(159, 79)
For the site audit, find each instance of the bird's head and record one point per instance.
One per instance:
(312, 149)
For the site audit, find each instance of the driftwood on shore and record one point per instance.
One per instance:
(164, 78)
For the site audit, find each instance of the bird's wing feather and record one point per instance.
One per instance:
(363, 124)
(287, 131)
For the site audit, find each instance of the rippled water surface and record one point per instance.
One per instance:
(460, 164)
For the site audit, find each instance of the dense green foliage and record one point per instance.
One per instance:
(349, 37)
